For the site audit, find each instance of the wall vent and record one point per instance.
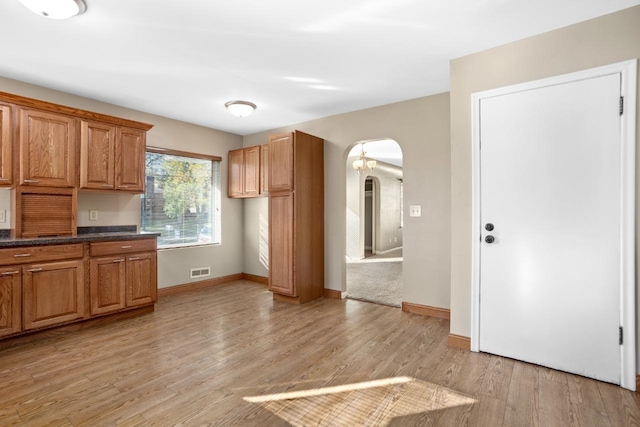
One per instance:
(199, 272)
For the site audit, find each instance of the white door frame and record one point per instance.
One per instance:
(628, 70)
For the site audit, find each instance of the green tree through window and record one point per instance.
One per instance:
(182, 199)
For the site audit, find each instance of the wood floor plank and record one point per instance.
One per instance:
(522, 408)
(230, 355)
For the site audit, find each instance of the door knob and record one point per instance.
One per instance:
(488, 227)
(489, 239)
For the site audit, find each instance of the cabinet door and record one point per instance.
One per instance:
(236, 167)
(47, 149)
(264, 169)
(52, 293)
(131, 148)
(6, 138)
(10, 301)
(281, 244)
(107, 278)
(97, 155)
(281, 162)
(142, 284)
(252, 171)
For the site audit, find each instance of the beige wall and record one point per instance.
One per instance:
(124, 209)
(605, 40)
(421, 128)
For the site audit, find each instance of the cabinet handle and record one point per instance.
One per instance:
(4, 179)
(31, 180)
(119, 260)
(35, 269)
(126, 247)
(10, 273)
(134, 258)
(21, 255)
(123, 186)
(107, 185)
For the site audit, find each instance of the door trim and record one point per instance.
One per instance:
(628, 71)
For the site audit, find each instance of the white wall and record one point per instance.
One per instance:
(124, 209)
(421, 128)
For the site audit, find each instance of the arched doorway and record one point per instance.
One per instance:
(374, 222)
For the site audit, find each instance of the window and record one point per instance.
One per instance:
(182, 198)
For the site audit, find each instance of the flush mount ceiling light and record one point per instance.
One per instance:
(55, 9)
(362, 164)
(240, 108)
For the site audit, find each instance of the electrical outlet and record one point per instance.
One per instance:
(93, 215)
(3, 215)
(415, 210)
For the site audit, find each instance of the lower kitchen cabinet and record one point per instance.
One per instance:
(123, 279)
(107, 278)
(49, 285)
(52, 293)
(10, 301)
(142, 287)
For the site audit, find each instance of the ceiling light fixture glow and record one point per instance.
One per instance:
(55, 9)
(240, 108)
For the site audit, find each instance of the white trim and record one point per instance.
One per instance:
(628, 70)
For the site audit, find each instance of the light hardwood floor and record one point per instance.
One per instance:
(230, 355)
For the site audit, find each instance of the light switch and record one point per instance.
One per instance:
(415, 210)
(3, 215)
(93, 215)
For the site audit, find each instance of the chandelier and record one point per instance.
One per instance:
(362, 164)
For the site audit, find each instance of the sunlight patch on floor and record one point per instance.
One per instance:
(371, 402)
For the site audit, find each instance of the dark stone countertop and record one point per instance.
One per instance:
(84, 235)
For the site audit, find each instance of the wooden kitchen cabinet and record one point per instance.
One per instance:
(244, 172)
(142, 285)
(130, 160)
(10, 301)
(107, 281)
(97, 155)
(111, 157)
(296, 217)
(125, 278)
(53, 293)
(47, 149)
(281, 162)
(264, 169)
(6, 143)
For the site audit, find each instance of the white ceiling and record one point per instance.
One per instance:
(296, 59)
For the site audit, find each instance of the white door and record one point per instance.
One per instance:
(550, 184)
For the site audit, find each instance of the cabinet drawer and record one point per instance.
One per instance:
(122, 247)
(31, 254)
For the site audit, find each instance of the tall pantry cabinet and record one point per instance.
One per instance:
(296, 217)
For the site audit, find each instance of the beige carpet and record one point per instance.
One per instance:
(376, 279)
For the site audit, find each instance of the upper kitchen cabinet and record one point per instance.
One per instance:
(97, 155)
(111, 157)
(6, 139)
(264, 169)
(130, 159)
(65, 147)
(281, 162)
(47, 149)
(244, 172)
